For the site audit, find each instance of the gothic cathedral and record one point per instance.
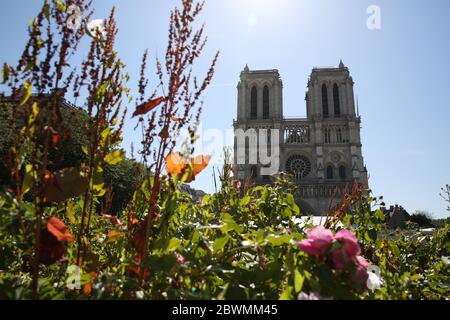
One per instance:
(322, 152)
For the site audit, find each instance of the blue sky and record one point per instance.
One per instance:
(401, 72)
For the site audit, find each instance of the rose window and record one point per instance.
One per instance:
(299, 166)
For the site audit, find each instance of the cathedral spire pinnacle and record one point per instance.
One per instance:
(357, 106)
(246, 69)
(341, 64)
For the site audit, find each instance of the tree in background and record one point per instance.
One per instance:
(446, 195)
(422, 218)
(121, 177)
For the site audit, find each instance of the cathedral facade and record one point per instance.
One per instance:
(321, 152)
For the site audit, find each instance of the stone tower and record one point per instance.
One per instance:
(322, 152)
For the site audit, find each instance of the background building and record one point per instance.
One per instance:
(322, 151)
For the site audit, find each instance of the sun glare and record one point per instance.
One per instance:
(259, 11)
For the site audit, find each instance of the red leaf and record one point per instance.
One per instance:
(138, 239)
(176, 119)
(199, 164)
(164, 134)
(54, 135)
(177, 165)
(50, 249)
(114, 220)
(148, 106)
(57, 228)
(137, 270)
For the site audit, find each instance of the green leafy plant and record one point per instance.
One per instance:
(70, 232)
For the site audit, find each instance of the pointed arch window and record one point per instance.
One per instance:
(254, 103)
(254, 172)
(337, 103)
(327, 135)
(325, 100)
(266, 102)
(342, 173)
(339, 135)
(330, 173)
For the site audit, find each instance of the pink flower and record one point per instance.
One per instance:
(362, 262)
(347, 253)
(359, 278)
(340, 259)
(349, 242)
(180, 258)
(318, 242)
(311, 296)
(361, 275)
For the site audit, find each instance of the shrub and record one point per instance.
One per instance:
(59, 240)
(423, 219)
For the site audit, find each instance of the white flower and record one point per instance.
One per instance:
(446, 260)
(97, 27)
(311, 296)
(246, 243)
(374, 281)
(305, 296)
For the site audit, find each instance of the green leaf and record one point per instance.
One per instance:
(278, 240)
(371, 234)
(67, 183)
(115, 157)
(47, 11)
(85, 150)
(105, 138)
(6, 73)
(70, 213)
(379, 214)
(298, 281)
(220, 243)
(27, 92)
(395, 250)
(260, 236)
(173, 245)
(30, 176)
(60, 5)
(101, 91)
(287, 294)
(245, 201)
(230, 224)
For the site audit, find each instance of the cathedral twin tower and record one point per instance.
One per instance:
(322, 152)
